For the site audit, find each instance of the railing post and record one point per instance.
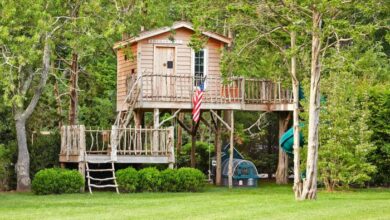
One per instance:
(114, 143)
(242, 90)
(171, 141)
(82, 144)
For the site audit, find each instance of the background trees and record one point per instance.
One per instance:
(354, 51)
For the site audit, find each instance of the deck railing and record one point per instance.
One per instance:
(76, 140)
(181, 87)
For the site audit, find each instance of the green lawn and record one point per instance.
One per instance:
(266, 202)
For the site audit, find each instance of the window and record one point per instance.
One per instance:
(199, 67)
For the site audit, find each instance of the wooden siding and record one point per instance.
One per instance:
(183, 64)
(124, 69)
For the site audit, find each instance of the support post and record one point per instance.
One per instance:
(82, 144)
(179, 135)
(114, 142)
(138, 120)
(81, 168)
(218, 151)
(231, 149)
(282, 170)
(171, 139)
(156, 123)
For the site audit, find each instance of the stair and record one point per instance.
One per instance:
(100, 180)
(124, 116)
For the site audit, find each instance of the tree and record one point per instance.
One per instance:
(26, 37)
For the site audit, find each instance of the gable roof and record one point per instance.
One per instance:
(176, 25)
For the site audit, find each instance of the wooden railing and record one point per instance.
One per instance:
(78, 141)
(181, 87)
(145, 141)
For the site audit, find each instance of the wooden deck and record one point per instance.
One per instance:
(236, 93)
(134, 145)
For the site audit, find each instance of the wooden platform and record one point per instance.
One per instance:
(234, 93)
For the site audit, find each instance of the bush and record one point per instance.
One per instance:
(5, 164)
(149, 179)
(190, 180)
(57, 181)
(127, 179)
(44, 152)
(169, 180)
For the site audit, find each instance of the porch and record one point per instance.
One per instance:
(119, 145)
(165, 91)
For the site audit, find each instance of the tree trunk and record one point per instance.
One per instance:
(282, 170)
(73, 90)
(193, 147)
(218, 152)
(309, 190)
(297, 187)
(23, 163)
(195, 126)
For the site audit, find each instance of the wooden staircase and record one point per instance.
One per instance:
(99, 180)
(124, 116)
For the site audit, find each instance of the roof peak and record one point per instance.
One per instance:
(176, 25)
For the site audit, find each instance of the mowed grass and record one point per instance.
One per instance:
(265, 202)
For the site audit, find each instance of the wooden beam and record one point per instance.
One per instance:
(230, 179)
(221, 120)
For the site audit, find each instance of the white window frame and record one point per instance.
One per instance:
(206, 62)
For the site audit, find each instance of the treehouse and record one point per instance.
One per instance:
(157, 71)
(167, 70)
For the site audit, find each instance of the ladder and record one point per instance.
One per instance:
(91, 178)
(124, 116)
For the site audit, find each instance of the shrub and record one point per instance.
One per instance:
(5, 164)
(169, 180)
(127, 179)
(44, 152)
(149, 179)
(190, 180)
(57, 181)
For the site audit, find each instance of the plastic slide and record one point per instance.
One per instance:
(287, 141)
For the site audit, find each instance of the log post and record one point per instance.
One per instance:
(218, 153)
(171, 139)
(156, 124)
(231, 149)
(114, 142)
(179, 135)
(282, 170)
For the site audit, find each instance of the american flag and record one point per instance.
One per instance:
(197, 101)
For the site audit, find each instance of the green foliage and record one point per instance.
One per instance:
(127, 179)
(169, 180)
(345, 136)
(57, 181)
(190, 180)
(5, 164)
(149, 179)
(379, 107)
(203, 150)
(44, 152)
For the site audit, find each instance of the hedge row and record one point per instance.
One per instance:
(57, 181)
(152, 180)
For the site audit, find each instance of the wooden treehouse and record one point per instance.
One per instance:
(157, 71)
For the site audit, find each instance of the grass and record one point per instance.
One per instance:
(266, 202)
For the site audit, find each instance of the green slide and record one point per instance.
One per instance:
(287, 141)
